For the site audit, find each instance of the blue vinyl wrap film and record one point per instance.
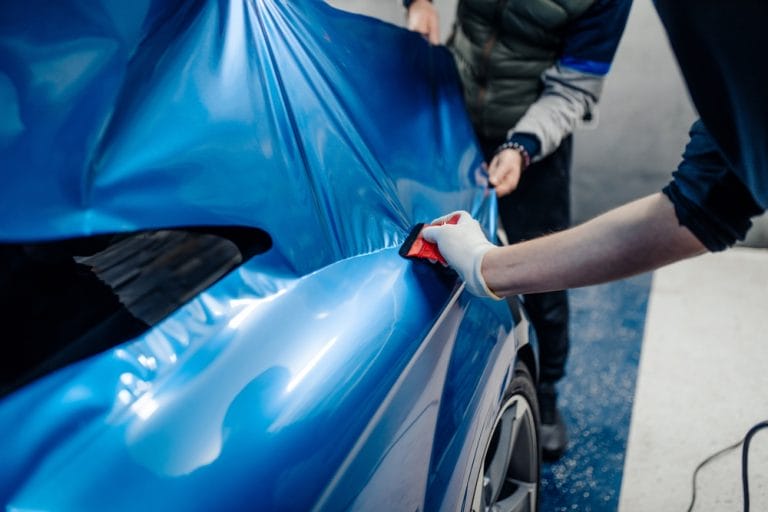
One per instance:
(312, 375)
(236, 111)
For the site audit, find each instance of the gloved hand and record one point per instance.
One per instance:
(463, 245)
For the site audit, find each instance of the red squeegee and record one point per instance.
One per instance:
(415, 247)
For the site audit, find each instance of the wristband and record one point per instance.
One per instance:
(517, 147)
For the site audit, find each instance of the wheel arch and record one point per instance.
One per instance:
(527, 355)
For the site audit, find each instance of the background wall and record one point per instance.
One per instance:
(392, 11)
(642, 122)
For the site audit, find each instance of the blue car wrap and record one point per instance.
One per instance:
(326, 373)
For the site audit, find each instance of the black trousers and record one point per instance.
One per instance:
(541, 204)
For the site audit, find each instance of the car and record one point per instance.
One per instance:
(202, 299)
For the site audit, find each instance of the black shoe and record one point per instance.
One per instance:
(553, 434)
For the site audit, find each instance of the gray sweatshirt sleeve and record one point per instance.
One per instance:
(569, 97)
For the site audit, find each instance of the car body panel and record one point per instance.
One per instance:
(326, 373)
(231, 387)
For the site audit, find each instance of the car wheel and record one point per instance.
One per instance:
(509, 480)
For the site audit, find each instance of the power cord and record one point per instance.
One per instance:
(744, 466)
(744, 455)
(706, 461)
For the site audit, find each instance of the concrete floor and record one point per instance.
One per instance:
(702, 384)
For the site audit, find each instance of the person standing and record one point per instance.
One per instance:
(718, 187)
(531, 71)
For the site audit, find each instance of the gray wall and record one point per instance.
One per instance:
(642, 122)
(393, 11)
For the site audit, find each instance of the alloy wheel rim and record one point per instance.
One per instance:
(509, 478)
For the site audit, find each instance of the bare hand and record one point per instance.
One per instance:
(505, 170)
(422, 18)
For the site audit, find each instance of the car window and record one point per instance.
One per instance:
(66, 300)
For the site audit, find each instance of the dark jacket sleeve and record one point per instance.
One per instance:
(709, 198)
(591, 40)
(721, 47)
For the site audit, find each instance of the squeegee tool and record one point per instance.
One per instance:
(415, 247)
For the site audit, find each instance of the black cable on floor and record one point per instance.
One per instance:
(744, 456)
(704, 463)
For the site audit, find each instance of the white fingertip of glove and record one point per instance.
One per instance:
(463, 245)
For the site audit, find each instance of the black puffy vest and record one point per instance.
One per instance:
(501, 48)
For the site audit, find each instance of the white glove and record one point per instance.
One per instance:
(463, 245)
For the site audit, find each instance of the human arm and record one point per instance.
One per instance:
(640, 236)
(422, 18)
(571, 88)
(705, 207)
(634, 238)
(568, 97)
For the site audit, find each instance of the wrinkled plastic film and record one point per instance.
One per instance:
(315, 125)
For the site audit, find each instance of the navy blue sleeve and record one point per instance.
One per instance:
(709, 199)
(721, 49)
(591, 40)
(529, 141)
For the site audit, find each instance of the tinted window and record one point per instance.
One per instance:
(66, 300)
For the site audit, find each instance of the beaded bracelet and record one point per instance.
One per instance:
(517, 147)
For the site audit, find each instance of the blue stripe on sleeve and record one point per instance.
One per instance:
(591, 40)
(529, 141)
(592, 67)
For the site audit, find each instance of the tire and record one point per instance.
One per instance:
(509, 477)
